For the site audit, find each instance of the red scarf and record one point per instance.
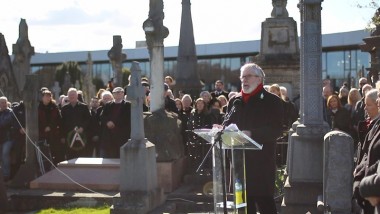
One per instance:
(253, 93)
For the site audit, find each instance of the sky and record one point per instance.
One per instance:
(88, 25)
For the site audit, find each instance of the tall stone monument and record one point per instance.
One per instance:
(8, 84)
(29, 170)
(305, 162)
(139, 190)
(155, 33)
(89, 88)
(117, 57)
(23, 52)
(187, 76)
(279, 49)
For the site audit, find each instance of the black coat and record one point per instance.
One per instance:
(370, 187)
(263, 116)
(74, 116)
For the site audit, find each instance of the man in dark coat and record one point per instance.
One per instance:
(75, 119)
(370, 189)
(219, 90)
(260, 116)
(115, 124)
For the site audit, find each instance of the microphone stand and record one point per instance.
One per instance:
(218, 138)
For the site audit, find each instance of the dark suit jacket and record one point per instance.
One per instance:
(263, 116)
(370, 186)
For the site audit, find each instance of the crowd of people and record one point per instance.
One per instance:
(73, 128)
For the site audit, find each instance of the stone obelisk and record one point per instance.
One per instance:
(139, 191)
(23, 52)
(155, 33)
(187, 76)
(305, 162)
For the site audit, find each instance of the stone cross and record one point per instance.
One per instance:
(22, 51)
(117, 57)
(136, 96)
(279, 9)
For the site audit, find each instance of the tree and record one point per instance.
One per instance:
(73, 68)
(375, 20)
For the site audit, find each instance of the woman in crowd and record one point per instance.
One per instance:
(187, 104)
(353, 97)
(216, 112)
(200, 116)
(206, 96)
(337, 117)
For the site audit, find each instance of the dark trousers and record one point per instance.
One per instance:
(265, 205)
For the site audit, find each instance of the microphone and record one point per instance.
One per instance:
(236, 104)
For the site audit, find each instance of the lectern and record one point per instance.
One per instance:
(229, 167)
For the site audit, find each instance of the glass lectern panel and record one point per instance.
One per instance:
(229, 168)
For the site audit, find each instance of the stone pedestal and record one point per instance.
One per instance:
(139, 192)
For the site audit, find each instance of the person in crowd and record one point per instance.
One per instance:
(353, 97)
(216, 112)
(219, 90)
(49, 119)
(362, 82)
(75, 122)
(368, 152)
(326, 93)
(146, 91)
(18, 136)
(291, 108)
(93, 146)
(223, 101)
(369, 189)
(60, 101)
(181, 94)
(260, 116)
(206, 96)
(338, 117)
(169, 80)
(99, 93)
(200, 116)
(7, 123)
(187, 103)
(115, 124)
(343, 95)
(169, 102)
(178, 104)
(360, 115)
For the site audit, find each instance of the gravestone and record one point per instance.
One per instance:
(279, 49)
(29, 170)
(139, 191)
(305, 162)
(89, 89)
(117, 58)
(8, 84)
(338, 164)
(22, 51)
(187, 77)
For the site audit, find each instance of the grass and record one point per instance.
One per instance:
(78, 210)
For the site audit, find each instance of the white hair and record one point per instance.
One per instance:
(253, 68)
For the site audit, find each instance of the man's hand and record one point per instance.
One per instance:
(110, 125)
(247, 132)
(373, 200)
(47, 129)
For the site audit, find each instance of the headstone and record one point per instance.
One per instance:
(187, 76)
(29, 171)
(279, 50)
(139, 191)
(8, 84)
(338, 164)
(89, 88)
(56, 90)
(117, 58)
(305, 162)
(155, 33)
(22, 51)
